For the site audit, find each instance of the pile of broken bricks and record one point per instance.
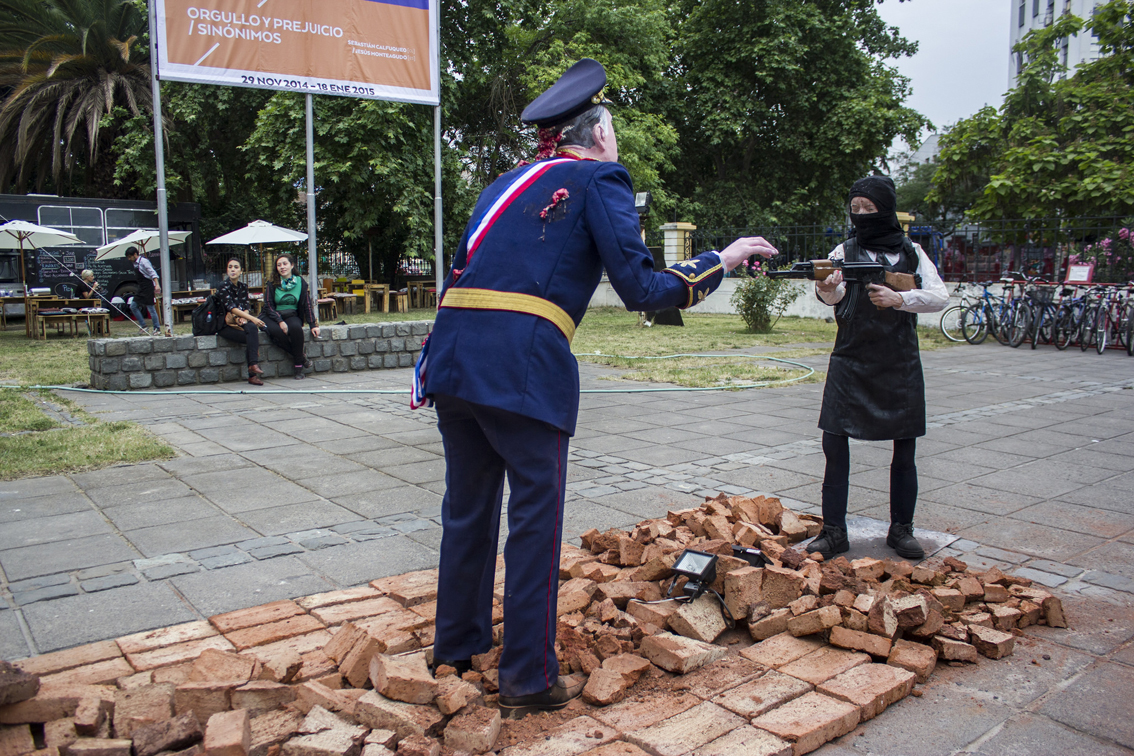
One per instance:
(828, 645)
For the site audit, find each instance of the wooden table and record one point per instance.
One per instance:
(345, 300)
(374, 288)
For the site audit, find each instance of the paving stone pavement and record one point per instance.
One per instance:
(1027, 464)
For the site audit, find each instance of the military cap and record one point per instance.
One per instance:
(580, 87)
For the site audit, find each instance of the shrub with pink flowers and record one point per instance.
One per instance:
(1113, 256)
(759, 300)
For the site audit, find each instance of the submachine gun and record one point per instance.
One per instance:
(856, 274)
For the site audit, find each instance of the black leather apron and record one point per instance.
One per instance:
(145, 295)
(875, 389)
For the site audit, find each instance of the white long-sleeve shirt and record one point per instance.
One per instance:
(931, 297)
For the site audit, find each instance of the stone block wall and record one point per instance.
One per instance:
(158, 362)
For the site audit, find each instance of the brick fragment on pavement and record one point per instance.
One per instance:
(914, 657)
(419, 745)
(61, 733)
(98, 673)
(89, 716)
(16, 685)
(271, 729)
(762, 694)
(810, 721)
(259, 696)
(1005, 618)
(202, 698)
(868, 568)
(780, 586)
(325, 734)
(178, 653)
(823, 664)
(342, 641)
(331, 598)
(256, 615)
(768, 625)
(453, 693)
(995, 644)
(409, 589)
(815, 621)
(568, 739)
(675, 653)
(954, 650)
(700, 620)
(875, 645)
(781, 649)
(259, 635)
(16, 740)
(605, 687)
(217, 666)
(630, 666)
(356, 610)
(55, 703)
(403, 678)
(166, 636)
(378, 712)
(742, 589)
(473, 729)
(996, 594)
(228, 733)
(871, 687)
(174, 734)
(310, 694)
(950, 598)
(686, 731)
(58, 661)
(142, 706)
(100, 747)
(881, 620)
(281, 667)
(746, 740)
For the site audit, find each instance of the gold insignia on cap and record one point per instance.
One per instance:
(600, 97)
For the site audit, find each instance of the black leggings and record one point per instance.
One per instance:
(836, 480)
(292, 341)
(249, 336)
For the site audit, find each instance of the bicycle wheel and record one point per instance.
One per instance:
(1038, 320)
(974, 323)
(1021, 323)
(998, 322)
(951, 323)
(1128, 330)
(1087, 327)
(1102, 328)
(1064, 328)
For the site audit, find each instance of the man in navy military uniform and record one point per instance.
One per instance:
(499, 368)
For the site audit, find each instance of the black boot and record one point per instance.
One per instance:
(555, 697)
(901, 539)
(831, 540)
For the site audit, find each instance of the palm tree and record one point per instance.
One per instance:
(64, 66)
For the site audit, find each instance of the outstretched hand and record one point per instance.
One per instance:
(743, 248)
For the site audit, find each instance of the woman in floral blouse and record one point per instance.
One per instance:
(240, 325)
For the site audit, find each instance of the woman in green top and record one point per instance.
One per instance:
(287, 306)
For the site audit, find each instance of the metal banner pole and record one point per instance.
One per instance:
(438, 238)
(313, 281)
(159, 157)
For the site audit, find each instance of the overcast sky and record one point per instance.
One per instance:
(962, 59)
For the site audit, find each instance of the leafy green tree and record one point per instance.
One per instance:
(781, 105)
(1058, 146)
(65, 65)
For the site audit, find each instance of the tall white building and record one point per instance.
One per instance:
(1036, 14)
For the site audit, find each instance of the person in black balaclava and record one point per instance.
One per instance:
(875, 390)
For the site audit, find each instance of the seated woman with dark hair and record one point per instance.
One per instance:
(240, 325)
(287, 306)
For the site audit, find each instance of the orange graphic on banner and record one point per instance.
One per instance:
(360, 41)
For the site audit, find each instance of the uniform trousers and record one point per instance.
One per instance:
(483, 445)
(836, 480)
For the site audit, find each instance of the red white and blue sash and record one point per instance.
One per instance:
(418, 397)
(514, 190)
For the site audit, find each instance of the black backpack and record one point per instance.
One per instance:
(208, 318)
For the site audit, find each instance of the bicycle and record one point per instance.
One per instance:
(1017, 318)
(1111, 314)
(1067, 319)
(952, 317)
(982, 317)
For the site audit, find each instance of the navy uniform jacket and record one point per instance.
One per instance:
(522, 363)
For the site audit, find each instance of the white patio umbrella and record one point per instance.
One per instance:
(19, 234)
(139, 239)
(260, 232)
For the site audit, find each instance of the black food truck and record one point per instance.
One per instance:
(96, 222)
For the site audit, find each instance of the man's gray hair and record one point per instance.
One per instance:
(580, 130)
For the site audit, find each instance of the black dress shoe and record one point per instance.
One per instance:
(556, 697)
(901, 539)
(461, 665)
(831, 540)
